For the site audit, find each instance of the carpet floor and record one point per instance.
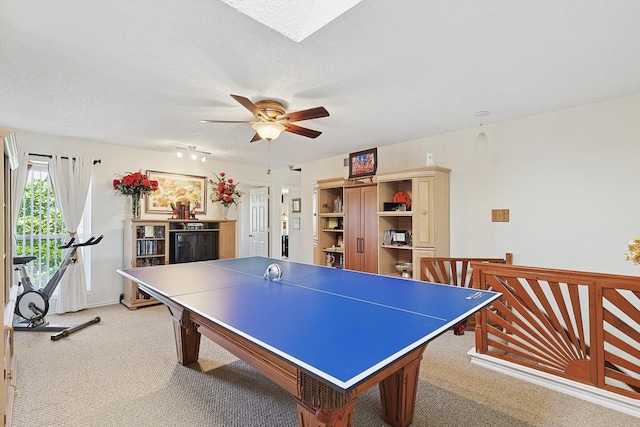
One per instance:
(123, 371)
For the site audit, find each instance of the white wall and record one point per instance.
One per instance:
(110, 209)
(570, 178)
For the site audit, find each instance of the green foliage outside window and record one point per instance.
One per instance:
(41, 224)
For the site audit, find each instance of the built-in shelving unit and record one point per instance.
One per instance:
(330, 233)
(408, 233)
(145, 244)
(148, 243)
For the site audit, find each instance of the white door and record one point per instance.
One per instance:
(259, 222)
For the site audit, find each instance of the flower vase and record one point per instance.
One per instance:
(225, 211)
(136, 204)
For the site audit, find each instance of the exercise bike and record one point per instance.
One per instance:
(32, 304)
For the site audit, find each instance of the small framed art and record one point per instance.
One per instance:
(295, 206)
(363, 163)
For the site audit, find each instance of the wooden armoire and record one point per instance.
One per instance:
(361, 228)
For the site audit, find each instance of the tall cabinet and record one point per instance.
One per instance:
(421, 230)
(9, 288)
(361, 231)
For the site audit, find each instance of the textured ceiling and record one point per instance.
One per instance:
(143, 73)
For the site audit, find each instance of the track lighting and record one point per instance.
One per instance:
(194, 153)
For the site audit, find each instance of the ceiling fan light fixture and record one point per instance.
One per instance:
(268, 130)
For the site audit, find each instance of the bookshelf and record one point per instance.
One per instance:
(330, 233)
(146, 244)
(149, 242)
(422, 230)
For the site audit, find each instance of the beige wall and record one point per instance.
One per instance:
(570, 178)
(109, 209)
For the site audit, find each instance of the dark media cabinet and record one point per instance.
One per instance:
(151, 242)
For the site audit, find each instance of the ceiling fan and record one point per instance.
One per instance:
(272, 119)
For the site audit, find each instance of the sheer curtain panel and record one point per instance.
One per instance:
(18, 182)
(70, 179)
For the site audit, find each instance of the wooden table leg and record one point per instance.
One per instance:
(320, 405)
(186, 335)
(338, 417)
(398, 395)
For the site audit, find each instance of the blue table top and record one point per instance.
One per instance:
(340, 325)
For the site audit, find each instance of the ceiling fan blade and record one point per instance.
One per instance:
(255, 138)
(298, 116)
(309, 133)
(246, 103)
(227, 121)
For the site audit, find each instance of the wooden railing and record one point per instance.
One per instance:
(455, 272)
(576, 325)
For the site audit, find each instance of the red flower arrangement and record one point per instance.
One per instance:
(225, 191)
(135, 183)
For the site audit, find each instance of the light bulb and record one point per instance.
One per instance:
(482, 143)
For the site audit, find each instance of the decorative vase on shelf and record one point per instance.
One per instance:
(225, 211)
(136, 204)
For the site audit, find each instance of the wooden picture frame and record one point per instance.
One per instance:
(295, 206)
(363, 163)
(175, 187)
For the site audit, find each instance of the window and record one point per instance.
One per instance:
(40, 229)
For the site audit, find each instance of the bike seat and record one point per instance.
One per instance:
(17, 260)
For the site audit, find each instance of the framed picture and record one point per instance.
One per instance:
(295, 205)
(363, 163)
(173, 188)
(296, 223)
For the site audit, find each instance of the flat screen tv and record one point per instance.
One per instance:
(190, 246)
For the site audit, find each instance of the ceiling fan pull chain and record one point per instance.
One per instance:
(269, 157)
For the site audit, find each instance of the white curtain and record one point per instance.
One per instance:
(18, 182)
(70, 179)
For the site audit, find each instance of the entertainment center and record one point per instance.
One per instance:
(150, 242)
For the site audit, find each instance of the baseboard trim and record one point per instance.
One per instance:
(592, 394)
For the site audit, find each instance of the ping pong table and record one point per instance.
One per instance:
(325, 335)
